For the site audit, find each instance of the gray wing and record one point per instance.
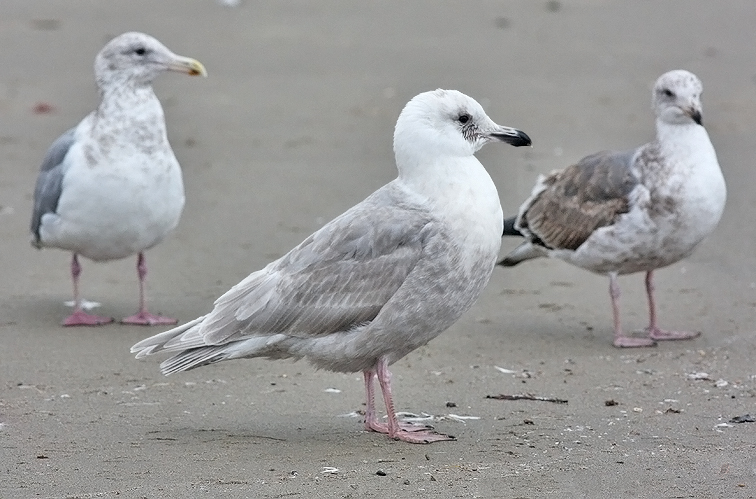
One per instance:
(50, 181)
(338, 278)
(580, 199)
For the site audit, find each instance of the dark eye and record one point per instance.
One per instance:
(140, 51)
(464, 118)
(668, 92)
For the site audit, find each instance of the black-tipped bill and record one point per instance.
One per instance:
(695, 115)
(512, 136)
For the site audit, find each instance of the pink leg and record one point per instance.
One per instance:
(653, 330)
(620, 340)
(79, 317)
(143, 317)
(421, 435)
(371, 418)
(371, 421)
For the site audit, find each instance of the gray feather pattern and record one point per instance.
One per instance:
(340, 276)
(337, 279)
(50, 182)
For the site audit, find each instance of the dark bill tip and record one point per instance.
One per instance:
(519, 138)
(696, 116)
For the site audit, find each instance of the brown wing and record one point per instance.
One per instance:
(580, 199)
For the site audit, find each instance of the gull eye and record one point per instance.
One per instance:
(464, 118)
(668, 92)
(140, 51)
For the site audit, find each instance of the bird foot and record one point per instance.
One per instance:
(633, 342)
(410, 432)
(148, 319)
(383, 427)
(81, 318)
(663, 335)
(421, 436)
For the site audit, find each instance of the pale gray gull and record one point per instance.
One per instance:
(382, 279)
(111, 187)
(619, 213)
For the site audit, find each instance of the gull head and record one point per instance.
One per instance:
(677, 98)
(137, 59)
(448, 122)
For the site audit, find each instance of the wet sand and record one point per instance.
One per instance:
(293, 126)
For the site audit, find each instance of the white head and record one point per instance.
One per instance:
(447, 122)
(677, 98)
(136, 59)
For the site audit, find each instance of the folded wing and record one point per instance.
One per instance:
(50, 182)
(569, 205)
(338, 278)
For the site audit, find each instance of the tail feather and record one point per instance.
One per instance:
(196, 357)
(525, 251)
(509, 228)
(258, 346)
(167, 340)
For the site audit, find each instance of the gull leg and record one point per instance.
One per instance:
(79, 317)
(143, 317)
(371, 421)
(620, 340)
(653, 330)
(421, 435)
(371, 418)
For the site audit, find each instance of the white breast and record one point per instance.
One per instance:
(464, 196)
(115, 201)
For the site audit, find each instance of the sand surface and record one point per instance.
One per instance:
(293, 126)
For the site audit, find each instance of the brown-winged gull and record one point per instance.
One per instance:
(111, 187)
(379, 281)
(619, 213)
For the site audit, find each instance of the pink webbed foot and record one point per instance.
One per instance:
(383, 427)
(148, 319)
(633, 342)
(81, 318)
(663, 335)
(407, 432)
(421, 437)
(410, 432)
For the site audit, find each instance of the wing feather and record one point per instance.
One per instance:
(337, 279)
(50, 182)
(569, 205)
